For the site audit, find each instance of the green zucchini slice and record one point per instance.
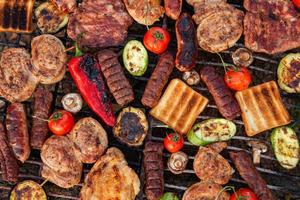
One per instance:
(28, 190)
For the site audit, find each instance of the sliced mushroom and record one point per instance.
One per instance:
(177, 162)
(258, 147)
(191, 77)
(72, 102)
(242, 57)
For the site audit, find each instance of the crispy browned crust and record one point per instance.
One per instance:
(65, 5)
(218, 146)
(173, 8)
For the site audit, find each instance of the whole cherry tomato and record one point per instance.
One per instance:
(173, 142)
(297, 3)
(61, 122)
(243, 194)
(238, 78)
(157, 40)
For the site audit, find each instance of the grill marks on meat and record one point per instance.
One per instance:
(99, 23)
(224, 99)
(8, 162)
(154, 169)
(158, 80)
(248, 172)
(116, 80)
(41, 110)
(17, 131)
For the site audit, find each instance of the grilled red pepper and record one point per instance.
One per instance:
(86, 73)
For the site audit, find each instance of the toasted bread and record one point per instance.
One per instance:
(16, 16)
(262, 108)
(179, 106)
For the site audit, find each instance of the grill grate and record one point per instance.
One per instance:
(283, 183)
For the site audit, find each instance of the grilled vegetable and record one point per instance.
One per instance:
(238, 78)
(72, 102)
(131, 127)
(28, 190)
(86, 73)
(286, 146)
(191, 77)
(297, 3)
(289, 73)
(61, 122)
(49, 18)
(177, 162)
(157, 40)
(135, 58)
(211, 130)
(173, 142)
(243, 194)
(169, 196)
(242, 57)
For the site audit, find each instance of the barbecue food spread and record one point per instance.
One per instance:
(111, 178)
(8, 163)
(48, 58)
(264, 22)
(173, 8)
(158, 80)
(116, 80)
(205, 190)
(16, 16)
(187, 51)
(179, 106)
(262, 108)
(17, 131)
(154, 170)
(248, 172)
(61, 161)
(211, 166)
(131, 127)
(224, 99)
(89, 138)
(146, 11)
(17, 83)
(41, 110)
(99, 23)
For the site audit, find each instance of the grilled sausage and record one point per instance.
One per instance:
(186, 43)
(173, 8)
(226, 103)
(41, 110)
(116, 80)
(248, 172)
(8, 162)
(154, 170)
(17, 131)
(158, 80)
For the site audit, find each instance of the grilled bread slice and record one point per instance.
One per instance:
(16, 16)
(262, 108)
(179, 106)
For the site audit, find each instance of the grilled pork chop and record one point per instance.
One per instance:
(99, 23)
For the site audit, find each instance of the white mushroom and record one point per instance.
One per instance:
(72, 102)
(177, 162)
(258, 147)
(191, 77)
(242, 57)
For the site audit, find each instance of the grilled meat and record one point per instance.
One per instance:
(48, 58)
(218, 146)
(187, 51)
(158, 80)
(173, 8)
(224, 99)
(211, 166)
(145, 12)
(154, 170)
(41, 110)
(99, 23)
(61, 161)
(116, 80)
(8, 163)
(194, 2)
(17, 131)
(65, 5)
(89, 138)
(17, 83)
(248, 172)
(111, 178)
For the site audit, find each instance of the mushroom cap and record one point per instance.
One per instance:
(259, 145)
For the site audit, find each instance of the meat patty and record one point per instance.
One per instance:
(99, 23)
(211, 166)
(49, 59)
(90, 138)
(17, 83)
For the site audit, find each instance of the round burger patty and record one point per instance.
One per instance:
(17, 83)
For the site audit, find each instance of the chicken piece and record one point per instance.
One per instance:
(111, 178)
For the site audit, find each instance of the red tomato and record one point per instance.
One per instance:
(238, 79)
(173, 142)
(61, 122)
(157, 40)
(243, 194)
(297, 3)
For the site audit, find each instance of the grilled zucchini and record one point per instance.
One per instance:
(28, 190)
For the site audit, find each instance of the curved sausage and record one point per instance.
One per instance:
(173, 8)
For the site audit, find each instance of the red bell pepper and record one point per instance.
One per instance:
(86, 73)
